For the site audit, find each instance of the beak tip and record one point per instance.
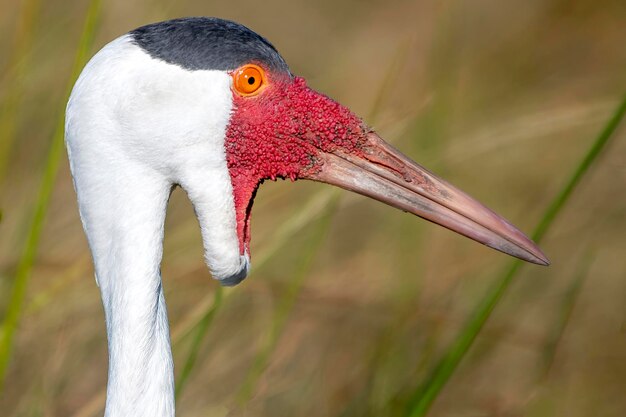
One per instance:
(522, 248)
(544, 261)
(537, 257)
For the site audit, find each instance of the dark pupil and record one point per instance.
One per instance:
(251, 80)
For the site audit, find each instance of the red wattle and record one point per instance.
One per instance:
(277, 134)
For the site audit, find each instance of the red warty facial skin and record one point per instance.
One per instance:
(279, 133)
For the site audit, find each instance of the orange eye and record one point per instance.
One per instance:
(248, 79)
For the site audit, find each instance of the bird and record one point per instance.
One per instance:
(208, 105)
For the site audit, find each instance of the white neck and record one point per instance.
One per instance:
(126, 240)
(141, 379)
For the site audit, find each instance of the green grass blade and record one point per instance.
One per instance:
(201, 331)
(25, 264)
(423, 398)
(18, 63)
(598, 145)
(541, 403)
(567, 304)
(281, 314)
(389, 80)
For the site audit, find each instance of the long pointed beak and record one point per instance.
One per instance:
(385, 174)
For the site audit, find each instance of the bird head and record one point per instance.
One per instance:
(272, 125)
(281, 128)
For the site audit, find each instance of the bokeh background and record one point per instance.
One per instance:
(350, 303)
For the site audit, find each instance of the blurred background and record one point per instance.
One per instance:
(350, 303)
